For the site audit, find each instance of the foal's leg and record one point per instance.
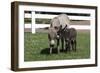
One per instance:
(75, 45)
(58, 47)
(62, 42)
(66, 45)
(69, 45)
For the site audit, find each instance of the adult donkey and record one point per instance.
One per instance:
(59, 24)
(53, 39)
(53, 35)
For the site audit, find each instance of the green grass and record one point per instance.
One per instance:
(36, 48)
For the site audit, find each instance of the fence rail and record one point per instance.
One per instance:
(78, 27)
(46, 16)
(33, 26)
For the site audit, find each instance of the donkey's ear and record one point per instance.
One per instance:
(51, 25)
(66, 25)
(60, 26)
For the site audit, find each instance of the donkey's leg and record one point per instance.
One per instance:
(75, 43)
(68, 45)
(58, 46)
(58, 49)
(62, 42)
(50, 50)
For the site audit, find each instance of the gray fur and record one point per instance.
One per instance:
(64, 20)
(69, 36)
(60, 27)
(53, 37)
(60, 20)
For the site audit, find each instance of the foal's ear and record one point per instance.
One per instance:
(66, 25)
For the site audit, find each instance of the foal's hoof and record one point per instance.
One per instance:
(58, 52)
(62, 50)
(50, 53)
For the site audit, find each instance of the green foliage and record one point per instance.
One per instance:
(27, 20)
(42, 21)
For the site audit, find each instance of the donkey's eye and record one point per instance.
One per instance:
(56, 27)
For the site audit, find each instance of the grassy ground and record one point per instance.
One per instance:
(36, 48)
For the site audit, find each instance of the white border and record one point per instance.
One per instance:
(34, 64)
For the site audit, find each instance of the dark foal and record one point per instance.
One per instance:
(70, 35)
(68, 38)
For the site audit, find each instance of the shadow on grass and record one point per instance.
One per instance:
(47, 51)
(54, 51)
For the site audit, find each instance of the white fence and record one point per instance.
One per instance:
(33, 16)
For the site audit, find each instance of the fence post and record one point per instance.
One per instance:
(33, 22)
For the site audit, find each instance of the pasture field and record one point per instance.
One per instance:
(36, 48)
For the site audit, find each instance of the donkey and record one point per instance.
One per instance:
(53, 39)
(64, 20)
(69, 36)
(60, 23)
(53, 36)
